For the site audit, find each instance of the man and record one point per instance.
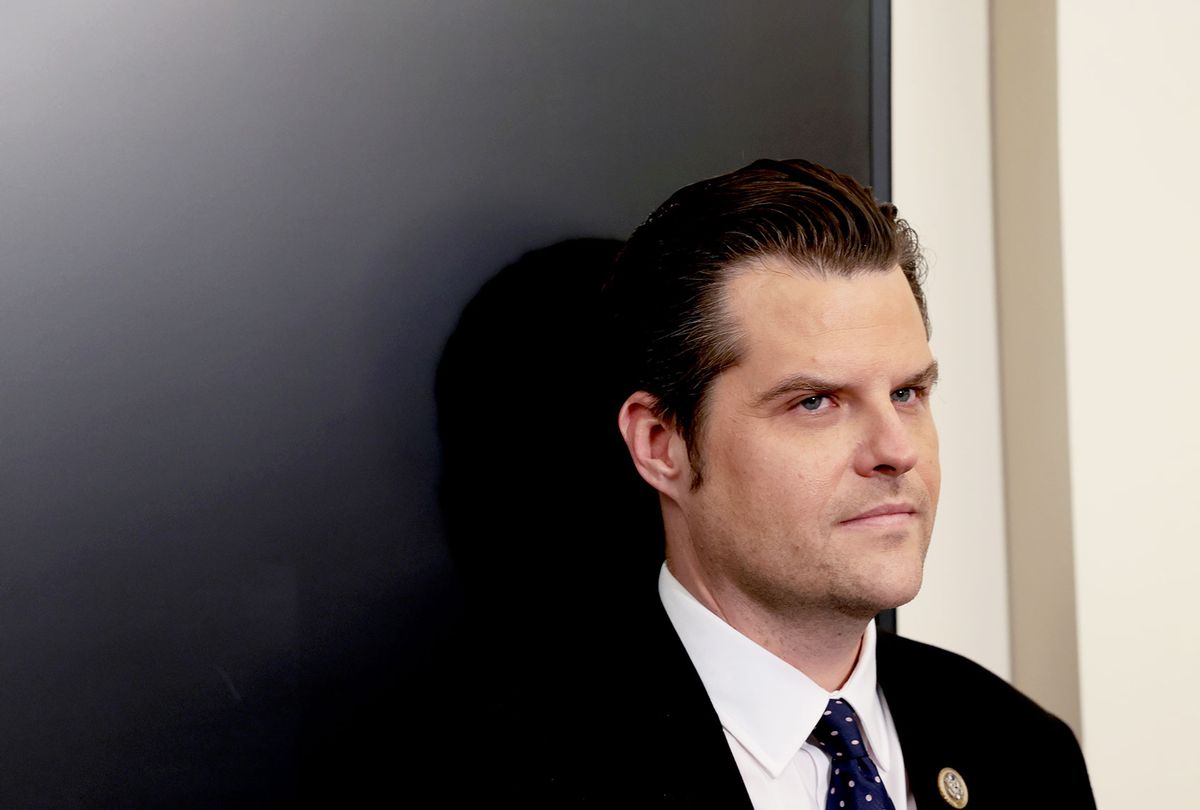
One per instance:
(774, 337)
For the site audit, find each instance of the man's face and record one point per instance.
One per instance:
(819, 450)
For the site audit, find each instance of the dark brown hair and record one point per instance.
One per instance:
(666, 290)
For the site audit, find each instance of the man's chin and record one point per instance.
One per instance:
(887, 594)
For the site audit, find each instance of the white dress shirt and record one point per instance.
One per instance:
(767, 708)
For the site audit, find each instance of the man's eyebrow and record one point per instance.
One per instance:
(792, 384)
(925, 378)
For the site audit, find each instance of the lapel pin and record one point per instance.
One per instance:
(953, 788)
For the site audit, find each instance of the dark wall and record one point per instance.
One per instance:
(234, 237)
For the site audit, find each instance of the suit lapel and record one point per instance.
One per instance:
(927, 738)
(695, 765)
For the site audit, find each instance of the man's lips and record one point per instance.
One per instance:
(888, 514)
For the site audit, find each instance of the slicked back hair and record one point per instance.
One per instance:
(667, 291)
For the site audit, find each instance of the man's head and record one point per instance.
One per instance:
(776, 340)
(668, 290)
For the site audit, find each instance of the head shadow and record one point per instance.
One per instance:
(546, 520)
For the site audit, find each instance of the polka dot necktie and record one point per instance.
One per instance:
(854, 782)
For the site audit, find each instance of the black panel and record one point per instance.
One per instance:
(235, 238)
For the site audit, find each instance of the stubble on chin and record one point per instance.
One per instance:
(853, 586)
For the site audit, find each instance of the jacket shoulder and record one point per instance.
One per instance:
(912, 669)
(904, 659)
(951, 712)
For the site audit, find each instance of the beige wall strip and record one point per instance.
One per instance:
(1033, 355)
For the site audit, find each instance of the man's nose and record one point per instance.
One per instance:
(888, 446)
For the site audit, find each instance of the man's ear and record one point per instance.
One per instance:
(657, 449)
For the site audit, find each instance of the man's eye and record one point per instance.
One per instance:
(903, 394)
(813, 403)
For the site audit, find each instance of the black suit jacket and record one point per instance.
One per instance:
(630, 725)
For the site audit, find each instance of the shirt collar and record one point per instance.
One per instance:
(768, 705)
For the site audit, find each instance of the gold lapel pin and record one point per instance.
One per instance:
(953, 788)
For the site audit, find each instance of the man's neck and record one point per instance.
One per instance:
(824, 647)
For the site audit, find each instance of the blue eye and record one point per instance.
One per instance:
(903, 394)
(812, 403)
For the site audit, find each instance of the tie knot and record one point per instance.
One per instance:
(838, 734)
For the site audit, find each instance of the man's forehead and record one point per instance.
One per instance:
(777, 294)
(836, 331)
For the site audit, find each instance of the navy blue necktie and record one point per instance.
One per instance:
(854, 781)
